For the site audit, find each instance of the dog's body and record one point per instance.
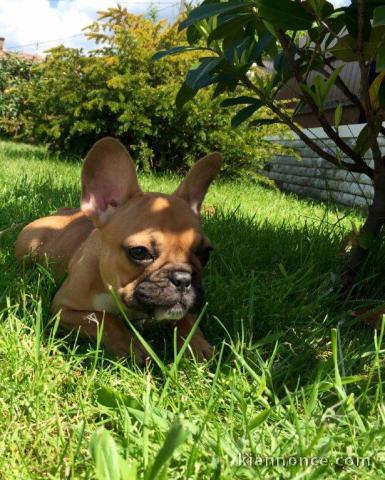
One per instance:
(148, 247)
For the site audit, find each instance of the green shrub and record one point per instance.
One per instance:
(14, 72)
(74, 98)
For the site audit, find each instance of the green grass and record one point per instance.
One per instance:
(294, 375)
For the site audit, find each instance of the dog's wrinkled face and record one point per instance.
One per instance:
(153, 254)
(152, 247)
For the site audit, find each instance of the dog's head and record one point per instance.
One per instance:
(153, 249)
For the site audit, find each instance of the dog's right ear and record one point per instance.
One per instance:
(108, 180)
(196, 183)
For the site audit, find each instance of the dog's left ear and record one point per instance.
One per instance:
(108, 180)
(194, 187)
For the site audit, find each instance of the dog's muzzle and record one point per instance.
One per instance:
(169, 294)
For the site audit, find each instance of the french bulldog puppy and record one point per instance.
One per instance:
(149, 247)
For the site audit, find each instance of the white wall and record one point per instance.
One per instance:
(316, 178)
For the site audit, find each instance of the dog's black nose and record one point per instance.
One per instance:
(180, 279)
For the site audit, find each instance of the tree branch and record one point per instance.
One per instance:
(349, 94)
(331, 133)
(352, 167)
(343, 87)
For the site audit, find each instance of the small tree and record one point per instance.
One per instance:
(297, 37)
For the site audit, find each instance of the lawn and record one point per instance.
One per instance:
(295, 389)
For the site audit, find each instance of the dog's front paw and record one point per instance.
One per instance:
(129, 348)
(141, 355)
(200, 349)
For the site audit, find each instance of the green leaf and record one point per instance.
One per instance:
(193, 34)
(200, 76)
(105, 455)
(261, 47)
(344, 49)
(174, 438)
(228, 26)
(242, 100)
(380, 59)
(322, 8)
(374, 90)
(127, 471)
(245, 113)
(224, 87)
(111, 398)
(207, 10)
(320, 89)
(281, 66)
(362, 143)
(381, 94)
(337, 375)
(331, 81)
(310, 92)
(375, 44)
(156, 418)
(379, 16)
(338, 115)
(327, 9)
(174, 51)
(259, 419)
(184, 95)
(286, 13)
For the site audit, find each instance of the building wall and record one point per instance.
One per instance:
(314, 177)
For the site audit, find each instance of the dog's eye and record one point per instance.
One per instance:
(139, 254)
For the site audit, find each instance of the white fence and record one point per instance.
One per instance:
(314, 177)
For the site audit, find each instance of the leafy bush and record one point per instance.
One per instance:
(14, 71)
(73, 98)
